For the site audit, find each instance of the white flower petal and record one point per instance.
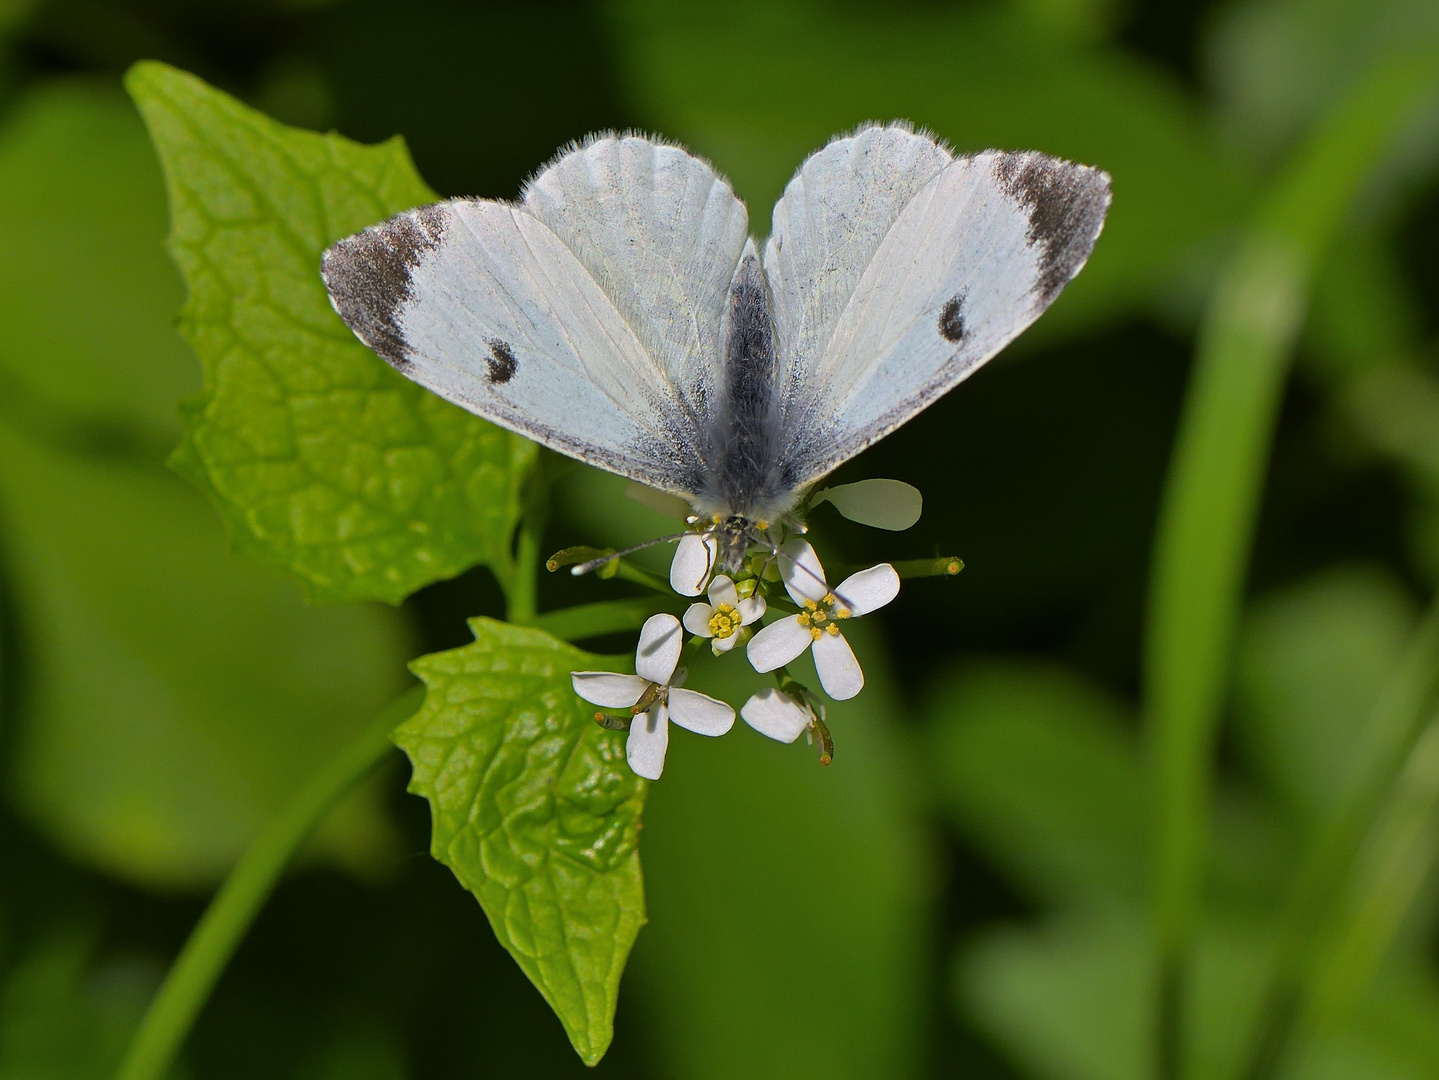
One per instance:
(778, 643)
(697, 619)
(607, 689)
(724, 644)
(750, 609)
(775, 714)
(700, 713)
(803, 575)
(839, 671)
(693, 561)
(883, 504)
(649, 738)
(869, 590)
(722, 591)
(659, 649)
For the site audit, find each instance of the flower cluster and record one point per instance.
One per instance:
(813, 620)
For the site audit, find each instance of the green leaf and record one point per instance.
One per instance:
(63, 1016)
(87, 297)
(1213, 490)
(1312, 662)
(175, 695)
(1276, 65)
(537, 813)
(1044, 772)
(319, 456)
(1071, 999)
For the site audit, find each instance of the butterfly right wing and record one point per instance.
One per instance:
(534, 315)
(898, 269)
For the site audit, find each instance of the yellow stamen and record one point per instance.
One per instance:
(803, 620)
(820, 616)
(816, 633)
(833, 630)
(725, 621)
(842, 613)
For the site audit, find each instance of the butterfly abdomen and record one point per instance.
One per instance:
(743, 432)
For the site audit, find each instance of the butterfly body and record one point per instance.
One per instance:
(620, 313)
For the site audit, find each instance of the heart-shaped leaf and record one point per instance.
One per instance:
(319, 456)
(536, 812)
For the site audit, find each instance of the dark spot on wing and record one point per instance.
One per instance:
(503, 364)
(951, 319)
(368, 276)
(1066, 204)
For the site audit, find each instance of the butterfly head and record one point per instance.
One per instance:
(734, 535)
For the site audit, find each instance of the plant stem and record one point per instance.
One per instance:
(1393, 728)
(520, 580)
(948, 566)
(213, 941)
(520, 593)
(606, 617)
(1214, 486)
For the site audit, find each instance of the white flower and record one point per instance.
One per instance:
(774, 713)
(722, 617)
(694, 560)
(818, 624)
(654, 697)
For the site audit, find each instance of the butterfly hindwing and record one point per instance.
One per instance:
(535, 315)
(897, 270)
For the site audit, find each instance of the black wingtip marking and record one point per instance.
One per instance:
(368, 276)
(502, 362)
(951, 319)
(1066, 204)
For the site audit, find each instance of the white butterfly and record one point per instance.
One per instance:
(620, 313)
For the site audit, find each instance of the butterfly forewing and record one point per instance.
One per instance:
(828, 225)
(586, 317)
(661, 233)
(617, 315)
(964, 262)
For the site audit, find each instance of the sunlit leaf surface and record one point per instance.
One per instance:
(535, 810)
(320, 457)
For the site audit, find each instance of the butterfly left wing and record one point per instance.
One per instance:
(897, 269)
(582, 317)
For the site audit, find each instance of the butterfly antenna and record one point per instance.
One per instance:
(595, 564)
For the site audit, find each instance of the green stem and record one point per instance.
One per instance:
(187, 986)
(615, 568)
(593, 620)
(948, 566)
(1392, 730)
(521, 604)
(520, 580)
(1213, 490)
(628, 571)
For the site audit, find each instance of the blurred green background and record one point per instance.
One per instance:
(962, 893)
